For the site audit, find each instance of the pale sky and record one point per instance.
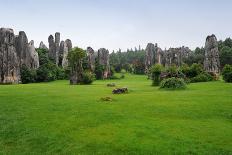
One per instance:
(115, 24)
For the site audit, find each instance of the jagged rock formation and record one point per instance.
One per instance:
(9, 63)
(176, 56)
(153, 55)
(65, 47)
(43, 46)
(91, 58)
(15, 51)
(103, 59)
(33, 57)
(149, 56)
(26, 51)
(172, 56)
(57, 46)
(211, 60)
(58, 51)
(52, 48)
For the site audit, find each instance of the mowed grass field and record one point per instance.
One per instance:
(57, 118)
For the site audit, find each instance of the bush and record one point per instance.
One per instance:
(99, 69)
(47, 72)
(194, 70)
(203, 77)
(155, 74)
(88, 78)
(27, 75)
(227, 73)
(61, 74)
(173, 83)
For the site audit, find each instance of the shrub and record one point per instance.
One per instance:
(173, 83)
(61, 74)
(203, 77)
(47, 72)
(88, 78)
(194, 70)
(155, 74)
(27, 75)
(227, 73)
(99, 69)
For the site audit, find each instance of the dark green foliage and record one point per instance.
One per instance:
(197, 56)
(194, 70)
(139, 67)
(47, 72)
(155, 74)
(27, 75)
(173, 83)
(43, 56)
(227, 73)
(61, 74)
(75, 58)
(202, 77)
(131, 60)
(99, 69)
(226, 56)
(88, 77)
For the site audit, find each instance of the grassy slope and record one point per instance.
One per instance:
(58, 118)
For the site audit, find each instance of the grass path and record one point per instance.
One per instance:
(56, 118)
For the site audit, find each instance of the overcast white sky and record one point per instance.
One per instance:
(115, 24)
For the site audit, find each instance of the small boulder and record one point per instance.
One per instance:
(120, 91)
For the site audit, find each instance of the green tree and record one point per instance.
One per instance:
(75, 58)
(155, 74)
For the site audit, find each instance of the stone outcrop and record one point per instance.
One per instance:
(91, 58)
(32, 61)
(176, 56)
(149, 56)
(52, 48)
(9, 62)
(43, 46)
(211, 59)
(172, 56)
(58, 50)
(15, 51)
(26, 51)
(103, 59)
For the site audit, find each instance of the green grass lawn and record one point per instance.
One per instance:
(57, 118)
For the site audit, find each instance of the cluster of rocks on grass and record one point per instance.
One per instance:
(176, 56)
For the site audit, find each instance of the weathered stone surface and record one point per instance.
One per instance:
(9, 63)
(21, 44)
(32, 61)
(65, 47)
(211, 60)
(103, 58)
(176, 56)
(58, 51)
(69, 44)
(149, 56)
(43, 46)
(57, 46)
(91, 58)
(26, 51)
(52, 48)
(63, 54)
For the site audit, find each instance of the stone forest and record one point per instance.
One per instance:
(17, 52)
(59, 98)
